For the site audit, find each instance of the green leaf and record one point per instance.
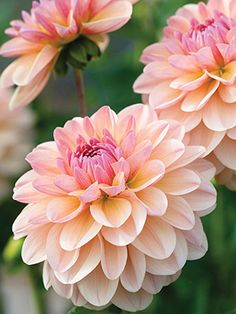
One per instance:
(78, 52)
(74, 310)
(61, 66)
(91, 48)
(75, 63)
(12, 254)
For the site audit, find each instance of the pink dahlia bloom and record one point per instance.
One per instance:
(114, 207)
(190, 75)
(39, 38)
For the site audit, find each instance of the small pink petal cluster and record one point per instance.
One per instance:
(15, 141)
(114, 207)
(190, 75)
(40, 36)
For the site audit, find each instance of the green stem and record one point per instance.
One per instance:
(38, 297)
(79, 80)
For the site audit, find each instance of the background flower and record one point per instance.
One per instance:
(15, 142)
(39, 38)
(190, 74)
(114, 207)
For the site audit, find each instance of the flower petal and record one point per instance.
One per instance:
(111, 212)
(152, 171)
(79, 231)
(133, 275)
(157, 239)
(113, 260)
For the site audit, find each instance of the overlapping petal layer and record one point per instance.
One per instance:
(114, 206)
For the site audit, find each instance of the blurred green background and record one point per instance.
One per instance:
(207, 286)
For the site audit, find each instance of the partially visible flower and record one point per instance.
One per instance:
(190, 75)
(15, 141)
(220, 150)
(114, 207)
(40, 37)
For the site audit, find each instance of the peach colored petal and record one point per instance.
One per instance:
(34, 247)
(111, 18)
(162, 70)
(79, 231)
(89, 257)
(111, 212)
(49, 280)
(217, 116)
(28, 194)
(77, 297)
(24, 95)
(130, 229)
(132, 301)
(153, 284)
(225, 152)
(228, 93)
(62, 209)
(163, 96)
(157, 51)
(101, 293)
(145, 83)
(202, 198)
(207, 138)
(232, 133)
(188, 119)
(113, 260)
(172, 264)
(45, 184)
(228, 76)
(157, 239)
(59, 259)
(25, 73)
(154, 200)
(190, 154)
(184, 62)
(151, 172)
(179, 213)
(133, 275)
(18, 46)
(104, 118)
(189, 81)
(198, 98)
(140, 155)
(169, 151)
(171, 184)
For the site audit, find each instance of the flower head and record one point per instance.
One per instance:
(114, 206)
(40, 37)
(15, 141)
(190, 75)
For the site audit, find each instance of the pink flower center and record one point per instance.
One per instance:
(96, 157)
(210, 33)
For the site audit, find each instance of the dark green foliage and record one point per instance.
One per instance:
(77, 54)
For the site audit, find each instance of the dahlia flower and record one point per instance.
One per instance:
(190, 75)
(15, 141)
(40, 37)
(114, 206)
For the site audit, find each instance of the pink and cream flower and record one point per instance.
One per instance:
(114, 206)
(190, 75)
(40, 36)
